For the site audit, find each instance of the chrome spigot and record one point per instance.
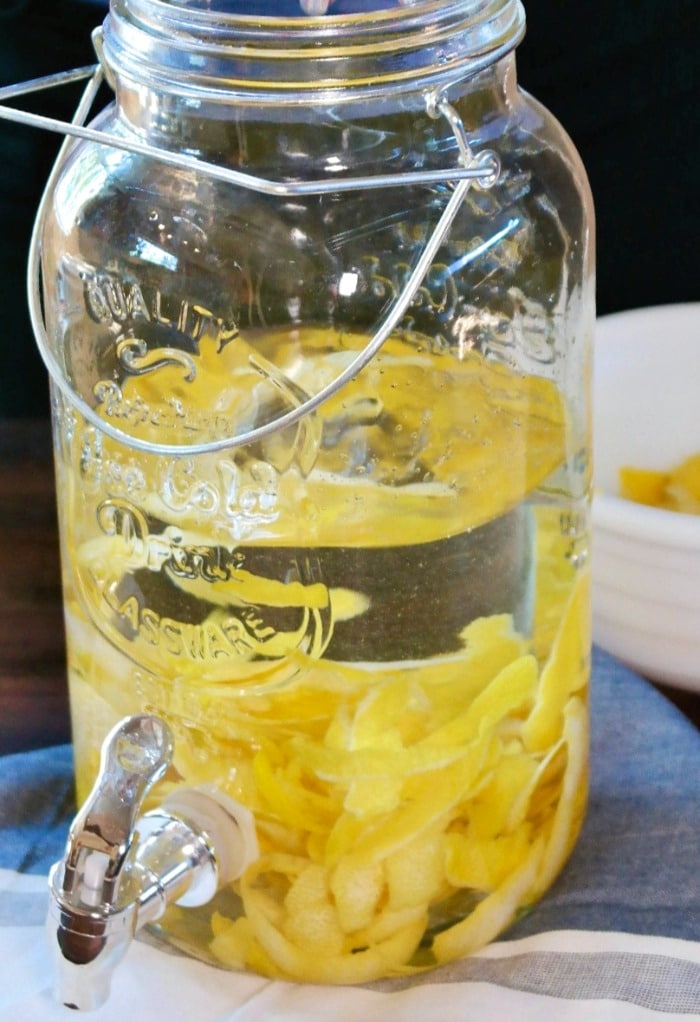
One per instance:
(121, 870)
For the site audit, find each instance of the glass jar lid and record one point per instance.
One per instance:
(302, 8)
(294, 52)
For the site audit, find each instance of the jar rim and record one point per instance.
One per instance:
(187, 48)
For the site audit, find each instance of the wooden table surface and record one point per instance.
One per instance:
(33, 694)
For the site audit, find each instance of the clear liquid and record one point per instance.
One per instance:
(372, 632)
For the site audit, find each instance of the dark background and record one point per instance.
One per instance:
(621, 76)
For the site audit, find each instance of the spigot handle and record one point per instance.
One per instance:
(135, 755)
(122, 869)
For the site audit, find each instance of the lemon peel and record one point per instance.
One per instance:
(565, 671)
(506, 430)
(382, 793)
(570, 806)
(380, 796)
(345, 960)
(492, 915)
(677, 489)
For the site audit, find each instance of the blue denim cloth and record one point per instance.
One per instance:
(636, 865)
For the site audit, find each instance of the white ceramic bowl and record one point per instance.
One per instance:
(646, 561)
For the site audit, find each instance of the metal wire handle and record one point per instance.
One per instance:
(482, 168)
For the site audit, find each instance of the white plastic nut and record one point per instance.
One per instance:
(228, 826)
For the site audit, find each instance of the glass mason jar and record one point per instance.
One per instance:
(323, 461)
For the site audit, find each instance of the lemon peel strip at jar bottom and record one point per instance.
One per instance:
(422, 851)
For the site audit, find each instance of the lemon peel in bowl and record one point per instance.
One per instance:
(677, 489)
